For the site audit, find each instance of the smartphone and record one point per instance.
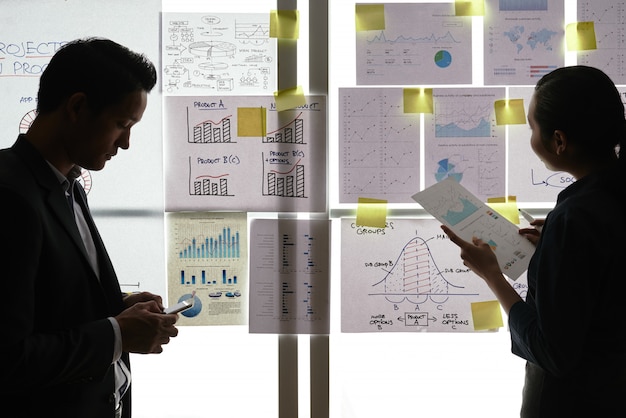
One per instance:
(180, 306)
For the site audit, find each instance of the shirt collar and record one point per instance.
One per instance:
(66, 182)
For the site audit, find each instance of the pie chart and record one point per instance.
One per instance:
(447, 169)
(195, 309)
(443, 59)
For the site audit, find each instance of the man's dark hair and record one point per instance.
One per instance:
(102, 69)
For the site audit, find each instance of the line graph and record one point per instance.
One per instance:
(454, 120)
(609, 19)
(401, 39)
(257, 31)
(292, 132)
(438, 50)
(379, 144)
(207, 184)
(288, 182)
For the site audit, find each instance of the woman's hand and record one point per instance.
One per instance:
(480, 258)
(533, 234)
(477, 255)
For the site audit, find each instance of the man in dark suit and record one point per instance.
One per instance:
(68, 328)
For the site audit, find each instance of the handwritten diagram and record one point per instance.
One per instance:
(217, 54)
(438, 50)
(239, 153)
(406, 277)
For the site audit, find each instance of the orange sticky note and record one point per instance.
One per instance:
(251, 121)
(284, 24)
(580, 36)
(510, 112)
(469, 7)
(289, 98)
(371, 212)
(418, 100)
(369, 17)
(506, 207)
(487, 315)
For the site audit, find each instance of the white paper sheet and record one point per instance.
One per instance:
(207, 255)
(468, 217)
(218, 53)
(522, 40)
(379, 145)
(407, 277)
(438, 50)
(290, 276)
(609, 21)
(462, 140)
(210, 166)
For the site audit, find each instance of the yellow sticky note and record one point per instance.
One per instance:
(487, 315)
(580, 36)
(418, 100)
(284, 24)
(371, 212)
(469, 7)
(506, 207)
(289, 98)
(510, 112)
(251, 121)
(370, 17)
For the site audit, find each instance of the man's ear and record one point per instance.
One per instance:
(76, 105)
(559, 141)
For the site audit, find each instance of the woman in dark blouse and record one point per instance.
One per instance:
(571, 329)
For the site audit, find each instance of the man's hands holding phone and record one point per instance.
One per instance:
(144, 326)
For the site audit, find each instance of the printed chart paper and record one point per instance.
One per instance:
(289, 279)
(462, 140)
(468, 217)
(239, 153)
(529, 179)
(406, 277)
(523, 40)
(438, 50)
(218, 53)
(207, 255)
(609, 19)
(379, 145)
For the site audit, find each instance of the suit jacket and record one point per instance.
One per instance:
(57, 345)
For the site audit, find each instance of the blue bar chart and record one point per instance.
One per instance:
(208, 254)
(187, 277)
(224, 245)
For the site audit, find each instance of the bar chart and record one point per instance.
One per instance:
(224, 245)
(291, 133)
(289, 182)
(209, 131)
(192, 277)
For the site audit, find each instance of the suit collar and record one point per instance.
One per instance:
(36, 163)
(45, 175)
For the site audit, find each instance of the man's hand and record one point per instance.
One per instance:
(145, 328)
